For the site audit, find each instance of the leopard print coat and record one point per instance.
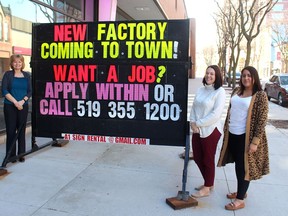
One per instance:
(257, 163)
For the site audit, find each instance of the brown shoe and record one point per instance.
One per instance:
(232, 207)
(234, 195)
(22, 160)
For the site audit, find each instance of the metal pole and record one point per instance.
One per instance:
(184, 195)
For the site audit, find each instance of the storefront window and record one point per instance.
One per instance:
(47, 11)
(1, 28)
(6, 31)
(72, 8)
(61, 10)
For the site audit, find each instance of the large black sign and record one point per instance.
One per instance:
(118, 82)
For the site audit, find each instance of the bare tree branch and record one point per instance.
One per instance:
(251, 24)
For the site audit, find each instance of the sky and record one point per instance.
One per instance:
(202, 11)
(206, 31)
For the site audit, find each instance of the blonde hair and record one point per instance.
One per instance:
(14, 57)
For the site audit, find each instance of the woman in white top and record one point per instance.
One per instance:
(205, 121)
(245, 141)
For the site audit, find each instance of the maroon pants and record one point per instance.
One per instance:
(204, 150)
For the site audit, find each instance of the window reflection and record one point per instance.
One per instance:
(70, 7)
(45, 11)
(61, 10)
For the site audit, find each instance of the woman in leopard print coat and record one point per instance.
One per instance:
(245, 141)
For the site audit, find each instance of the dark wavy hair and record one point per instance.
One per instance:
(218, 77)
(255, 77)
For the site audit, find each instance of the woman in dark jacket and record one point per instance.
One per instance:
(16, 88)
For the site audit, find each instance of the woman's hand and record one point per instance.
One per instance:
(194, 128)
(19, 104)
(252, 148)
(197, 130)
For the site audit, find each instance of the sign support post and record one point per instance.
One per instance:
(183, 199)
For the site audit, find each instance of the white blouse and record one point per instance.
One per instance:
(238, 114)
(207, 109)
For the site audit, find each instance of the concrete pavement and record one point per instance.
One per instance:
(96, 179)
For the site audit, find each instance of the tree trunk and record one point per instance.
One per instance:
(248, 53)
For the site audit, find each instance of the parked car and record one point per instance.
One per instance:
(277, 88)
(237, 76)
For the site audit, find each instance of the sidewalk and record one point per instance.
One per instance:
(96, 179)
